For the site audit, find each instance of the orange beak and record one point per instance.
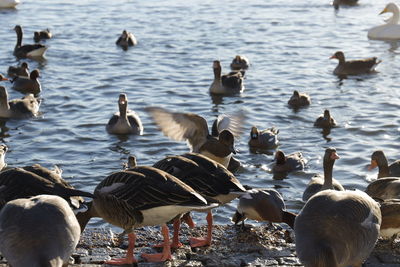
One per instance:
(334, 155)
(373, 165)
(4, 79)
(331, 57)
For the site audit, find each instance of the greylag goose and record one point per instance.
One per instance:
(323, 182)
(142, 196)
(42, 35)
(27, 106)
(390, 210)
(298, 100)
(27, 85)
(23, 51)
(337, 228)
(38, 231)
(384, 188)
(263, 205)
(325, 120)
(231, 83)
(391, 29)
(193, 128)
(126, 39)
(354, 67)
(125, 121)
(378, 159)
(291, 162)
(209, 178)
(265, 139)
(22, 70)
(3, 150)
(240, 63)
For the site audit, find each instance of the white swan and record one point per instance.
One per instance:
(9, 3)
(390, 30)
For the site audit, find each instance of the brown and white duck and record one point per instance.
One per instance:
(325, 120)
(209, 178)
(126, 39)
(23, 51)
(264, 139)
(38, 231)
(227, 84)
(15, 71)
(27, 85)
(298, 100)
(337, 228)
(27, 106)
(323, 182)
(354, 67)
(378, 159)
(240, 63)
(42, 35)
(292, 162)
(125, 121)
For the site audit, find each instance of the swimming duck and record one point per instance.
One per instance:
(336, 3)
(209, 178)
(27, 106)
(265, 139)
(325, 120)
(291, 162)
(131, 163)
(323, 182)
(38, 231)
(384, 188)
(378, 159)
(9, 3)
(354, 67)
(126, 39)
(142, 196)
(29, 85)
(298, 100)
(337, 228)
(125, 121)
(231, 83)
(263, 205)
(193, 128)
(390, 30)
(22, 51)
(22, 70)
(42, 35)
(3, 150)
(240, 63)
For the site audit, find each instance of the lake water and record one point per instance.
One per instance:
(288, 44)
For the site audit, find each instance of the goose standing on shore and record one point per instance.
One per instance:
(390, 30)
(227, 84)
(27, 106)
(23, 51)
(22, 70)
(354, 67)
(378, 159)
(27, 85)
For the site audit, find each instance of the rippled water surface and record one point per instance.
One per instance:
(287, 42)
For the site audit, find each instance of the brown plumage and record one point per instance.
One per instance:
(354, 67)
(23, 51)
(27, 106)
(298, 100)
(42, 35)
(29, 85)
(325, 120)
(22, 70)
(226, 84)
(378, 159)
(291, 162)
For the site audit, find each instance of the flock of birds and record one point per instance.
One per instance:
(41, 215)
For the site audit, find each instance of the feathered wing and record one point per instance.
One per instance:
(234, 123)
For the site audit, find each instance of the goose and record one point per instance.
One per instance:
(23, 51)
(337, 228)
(390, 30)
(126, 39)
(354, 67)
(325, 120)
(22, 70)
(390, 210)
(27, 106)
(29, 85)
(292, 162)
(263, 205)
(298, 100)
(38, 231)
(125, 121)
(3, 150)
(42, 35)
(193, 128)
(384, 188)
(240, 63)
(336, 3)
(319, 182)
(264, 139)
(209, 178)
(378, 159)
(142, 196)
(9, 3)
(231, 83)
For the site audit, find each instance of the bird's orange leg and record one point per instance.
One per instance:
(166, 253)
(201, 242)
(130, 258)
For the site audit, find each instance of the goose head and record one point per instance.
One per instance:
(18, 29)
(280, 157)
(34, 74)
(217, 69)
(226, 137)
(122, 104)
(254, 132)
(327, 114)
(339, 55)
(330, 155)
(24, 65)
(378, 158)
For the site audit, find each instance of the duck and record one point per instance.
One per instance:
(126, 39)
(142, 196)
(264, 139)
(325, 120)
(240, 63)
(22, 70)
(3, 150)
(29, 85)
(30, 51)
(9, 3)
(354, 67)
(390, 30)
(227, 84)
(292, 162)
(390, 209)
(337, 228)
(131, 163)
(298, 100)
(42, 35)
(27, 106)
(125, 121)
(263, 205)
(378, 159)
(38, 231)
(323, 182)
(193, 129)
(209, 178)
(384, 188)
(336, 3)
